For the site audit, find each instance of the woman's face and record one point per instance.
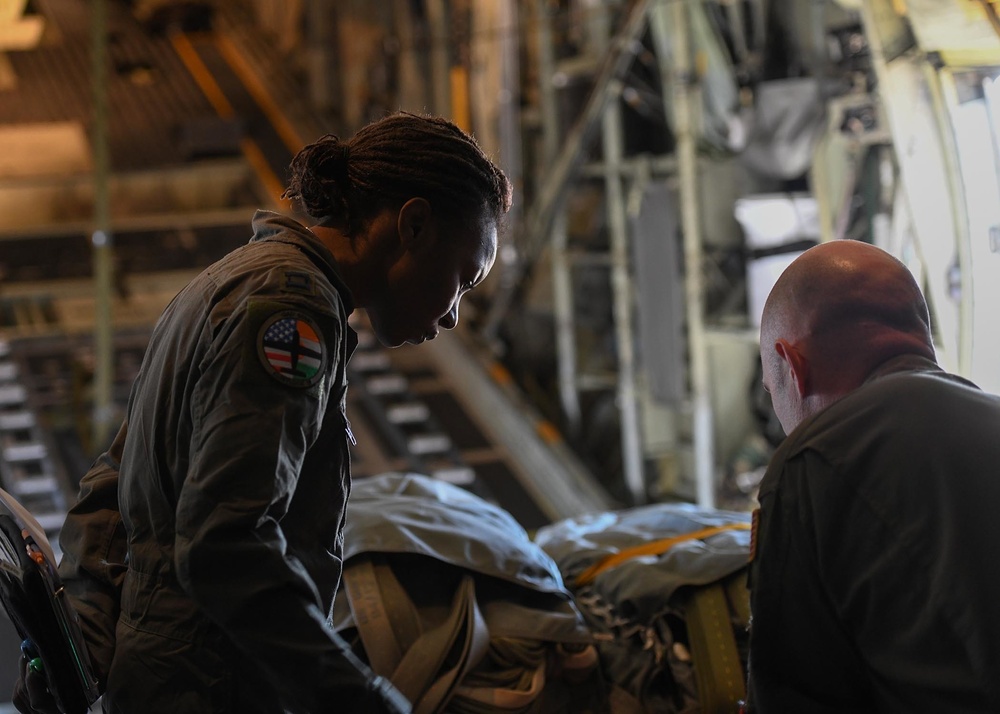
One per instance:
(425, 285)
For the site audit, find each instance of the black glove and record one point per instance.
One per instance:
(31, 690)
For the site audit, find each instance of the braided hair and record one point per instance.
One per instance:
(393, 159)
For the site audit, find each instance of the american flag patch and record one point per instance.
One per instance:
(291, 347)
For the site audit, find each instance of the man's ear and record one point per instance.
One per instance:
(413, 222)
(798, 365)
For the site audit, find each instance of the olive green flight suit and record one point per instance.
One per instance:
(228, 486)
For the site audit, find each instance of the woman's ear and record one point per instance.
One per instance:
(413, 223)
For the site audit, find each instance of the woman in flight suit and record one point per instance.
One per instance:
(206, 547)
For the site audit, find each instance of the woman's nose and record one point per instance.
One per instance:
(450, 320)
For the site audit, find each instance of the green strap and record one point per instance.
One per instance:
(717, 667)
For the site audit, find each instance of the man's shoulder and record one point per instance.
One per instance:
(896, 412)
(897, 394)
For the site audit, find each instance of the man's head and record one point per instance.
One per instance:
(835, 314)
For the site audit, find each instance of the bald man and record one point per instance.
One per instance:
(875, 581)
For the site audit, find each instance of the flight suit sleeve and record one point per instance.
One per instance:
(801, 659)
(94, 547)
(258, 408)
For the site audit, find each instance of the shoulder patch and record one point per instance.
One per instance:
(290, 346)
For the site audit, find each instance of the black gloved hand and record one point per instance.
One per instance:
(31, 690)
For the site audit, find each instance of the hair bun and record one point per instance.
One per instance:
(340, 155)
(328, 159)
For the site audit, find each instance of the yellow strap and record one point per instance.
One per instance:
(656, 547)
(738, 596)
(717, 666)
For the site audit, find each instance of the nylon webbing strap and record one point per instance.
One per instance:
(489, 699)
(403, 615)
(372, 617)
(738, 596)
(656, 547)
(458, 643)
(717, 667)
(425, 666)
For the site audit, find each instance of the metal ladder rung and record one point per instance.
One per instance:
(459, 476)
(409, 413)
(370, 361)
(20, 453)
(25, 461)
(14, 421)
(386, 384)
(428, 444)
(8, 371)
(33, 485)
(11, 394)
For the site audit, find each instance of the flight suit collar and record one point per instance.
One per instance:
(801, 434)
(906, 363)
(268, 225)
